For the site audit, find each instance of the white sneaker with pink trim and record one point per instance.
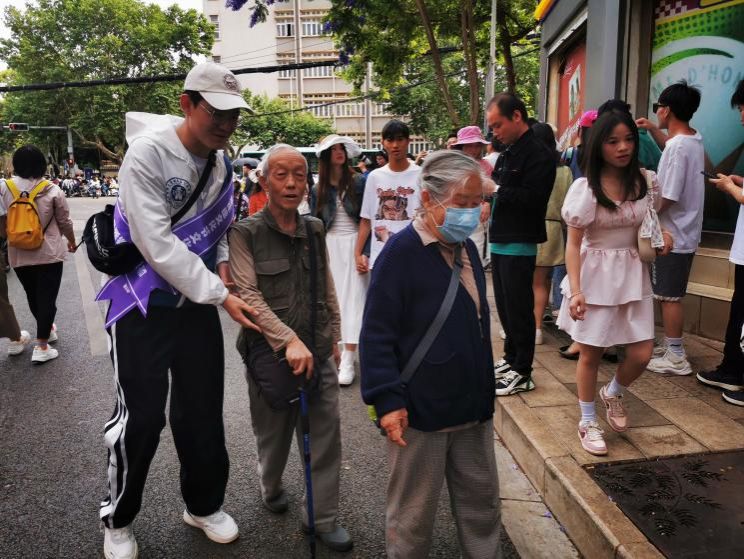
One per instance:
(617, 417)
(591, 437)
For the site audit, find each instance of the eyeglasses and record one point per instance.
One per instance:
(656, 106)
(221, 117)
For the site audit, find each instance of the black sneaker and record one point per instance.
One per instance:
(512, 383)
(500, 369)
(733, 397)
(721, 378)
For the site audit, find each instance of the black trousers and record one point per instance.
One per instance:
(188, 341)
(733, 358)
(41, 284)
(515, 301)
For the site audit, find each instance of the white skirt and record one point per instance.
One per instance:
(351, 287)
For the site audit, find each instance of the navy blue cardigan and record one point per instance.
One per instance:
(454, 383)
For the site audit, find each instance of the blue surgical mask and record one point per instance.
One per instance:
(459, 223)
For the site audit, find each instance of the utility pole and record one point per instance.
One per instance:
(490, 68)
(368, 107)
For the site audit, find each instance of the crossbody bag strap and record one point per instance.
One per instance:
(436, 326)
(313, 280)
(198, 190)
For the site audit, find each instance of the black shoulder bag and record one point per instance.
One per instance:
(116, 259)
(276, 382)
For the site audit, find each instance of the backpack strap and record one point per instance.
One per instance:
(31, 195)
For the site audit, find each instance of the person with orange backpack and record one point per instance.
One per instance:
(37, 223)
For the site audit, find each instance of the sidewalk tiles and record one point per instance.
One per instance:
(670, 417)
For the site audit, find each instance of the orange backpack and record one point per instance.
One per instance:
(23, 227)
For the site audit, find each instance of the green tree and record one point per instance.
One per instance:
(273, 123)
(76, 40)
(406, 41)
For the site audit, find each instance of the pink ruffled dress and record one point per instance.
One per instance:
(615, 283)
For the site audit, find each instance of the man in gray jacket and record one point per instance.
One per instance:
(163, 315)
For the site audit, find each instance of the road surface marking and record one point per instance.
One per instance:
(93, 319)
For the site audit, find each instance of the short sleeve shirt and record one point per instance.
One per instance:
(390, 203)
(680, 180)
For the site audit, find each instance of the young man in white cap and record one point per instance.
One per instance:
(163, 315)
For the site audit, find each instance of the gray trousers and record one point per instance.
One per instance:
(465, 458)
(8, 323)
(273, 431)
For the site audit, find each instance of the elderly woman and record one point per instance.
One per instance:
(438, 424)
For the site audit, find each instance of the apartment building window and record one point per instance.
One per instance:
(312, 28)
(285, 30)
(318, 72)
(215, 20)
(322, 110)
(350, 109)
(286, 73)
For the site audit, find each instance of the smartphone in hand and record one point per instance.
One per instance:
(708, 175)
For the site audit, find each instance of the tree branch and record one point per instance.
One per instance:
(437, 59)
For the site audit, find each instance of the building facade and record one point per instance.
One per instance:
(294, 32)
(595, 50)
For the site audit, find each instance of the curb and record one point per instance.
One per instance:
(595, 524)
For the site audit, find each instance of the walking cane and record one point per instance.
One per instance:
(305, 422)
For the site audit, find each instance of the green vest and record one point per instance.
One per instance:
(282, 266)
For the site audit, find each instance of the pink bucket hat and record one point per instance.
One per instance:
(588, 118)
(470, 135)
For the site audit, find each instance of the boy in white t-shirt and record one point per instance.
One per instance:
(391, 195)
(681, 213)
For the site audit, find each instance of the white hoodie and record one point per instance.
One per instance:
(157, 166)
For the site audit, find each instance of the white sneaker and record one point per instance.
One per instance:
(346, 370)
(17, 347)
(218, 527)
(538, 337)
(670, 363)
(660, 349)
(53, 337)
(44, 355)
(119, 543)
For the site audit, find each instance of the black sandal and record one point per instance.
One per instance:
(570, 355)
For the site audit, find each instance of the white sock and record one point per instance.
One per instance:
(347, 354)
(675, 346)
(614, 388)
(588, 413)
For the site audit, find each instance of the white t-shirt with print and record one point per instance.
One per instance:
(680, 180)
(390, 202)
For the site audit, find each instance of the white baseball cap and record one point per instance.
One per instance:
(217, 84)
(352, 148)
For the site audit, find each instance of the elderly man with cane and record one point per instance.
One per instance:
(279, 264)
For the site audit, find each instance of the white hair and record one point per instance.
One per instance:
(445, 170)
(263, 166)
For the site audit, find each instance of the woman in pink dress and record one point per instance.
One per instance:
(607, 293)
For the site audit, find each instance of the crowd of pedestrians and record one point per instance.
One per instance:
(384, 267)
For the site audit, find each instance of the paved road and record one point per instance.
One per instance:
(52, 459)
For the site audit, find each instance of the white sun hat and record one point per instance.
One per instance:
(352, 148)
(217, 84)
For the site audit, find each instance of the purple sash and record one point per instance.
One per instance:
(199, 233)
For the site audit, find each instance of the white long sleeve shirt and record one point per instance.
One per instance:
(157, 177)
